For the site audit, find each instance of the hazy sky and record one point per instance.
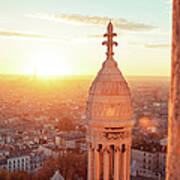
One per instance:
(65, 36)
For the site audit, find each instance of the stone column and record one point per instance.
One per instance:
(120, 162)
(106, 164)
(128, 156)
(116, 163)
(90, 162)
(124, 163)
(97, 164)
(173, 160)
(112, 161)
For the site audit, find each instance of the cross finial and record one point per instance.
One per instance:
(109, 43)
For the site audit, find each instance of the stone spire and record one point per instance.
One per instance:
(35, 73)
(110, 43)
(173, 162)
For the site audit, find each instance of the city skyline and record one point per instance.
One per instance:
(64, 37)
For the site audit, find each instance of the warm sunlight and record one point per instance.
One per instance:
(50, 64)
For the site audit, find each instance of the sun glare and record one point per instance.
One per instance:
(50, 64)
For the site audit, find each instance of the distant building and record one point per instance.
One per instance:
(148, 160)
(18, 163)
(4, 153)
(58, 140)
(47, 150)
(57, 176)
(71, 140)
(3, 164)
(36, 162)
(70, 143)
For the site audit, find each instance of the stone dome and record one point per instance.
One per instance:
(109, 100)
(109, 95)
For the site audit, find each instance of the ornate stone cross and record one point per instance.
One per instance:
(109, 43)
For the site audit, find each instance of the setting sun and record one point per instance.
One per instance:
(50, 64)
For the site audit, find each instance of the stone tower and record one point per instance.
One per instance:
(35, 73)
(173, 162)
(109, 118)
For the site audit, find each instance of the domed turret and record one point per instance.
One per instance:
(109, 117)
(109, 94)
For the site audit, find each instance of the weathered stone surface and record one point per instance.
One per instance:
(109, 95)
(173, 162)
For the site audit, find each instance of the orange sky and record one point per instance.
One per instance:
(65, 38)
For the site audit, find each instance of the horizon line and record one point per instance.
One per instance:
(67, 75)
